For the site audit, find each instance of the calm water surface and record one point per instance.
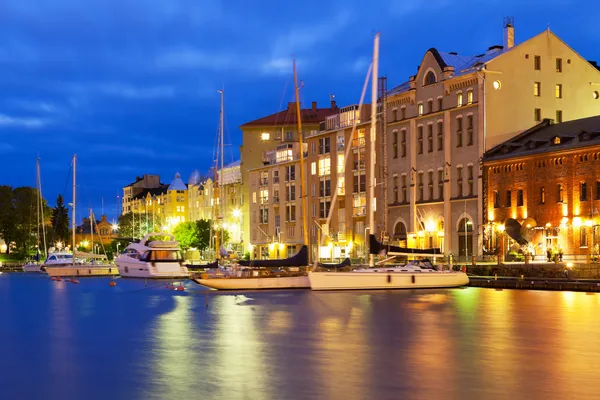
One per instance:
(90, 341)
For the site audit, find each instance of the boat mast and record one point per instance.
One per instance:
(73, 222)
(372, 147)
(92, 230)
(300, 139)
(221, 187)
(40, 207)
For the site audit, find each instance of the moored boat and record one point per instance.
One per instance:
(289, 273)
(156, 256)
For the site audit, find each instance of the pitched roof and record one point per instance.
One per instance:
(288, 117)
(542, 139)
(177, 183)
(153, 192)
(462, 64)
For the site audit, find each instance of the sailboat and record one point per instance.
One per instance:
(36, 266)
(416, 274)
(288, 273)
(71, 263)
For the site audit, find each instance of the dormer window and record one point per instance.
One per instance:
(556, 140)
(430, 79)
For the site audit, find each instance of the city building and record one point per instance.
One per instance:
(232, 194)
(334, 181)
(104, 234)
(548, 180)
(443, 119)
(134, 189)
(200, 197)
(264, 137)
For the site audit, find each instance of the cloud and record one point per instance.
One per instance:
(194, 58)
(140, 92)
(24, 122)
(38, 106)
(138, 151)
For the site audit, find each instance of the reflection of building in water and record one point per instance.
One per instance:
(548, 180)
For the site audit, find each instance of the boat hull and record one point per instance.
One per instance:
(35, 268)
(256, 283)
(82, 270)
(386, 280)
(143, 270)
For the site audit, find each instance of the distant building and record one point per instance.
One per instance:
(547, 179)
(134, 189)
(444, 118)
(103, 234)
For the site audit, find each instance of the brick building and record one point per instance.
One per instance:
(547, 179)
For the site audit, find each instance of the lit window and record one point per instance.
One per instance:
(558, 91)
(313, 168)
(420, 109)
(537, 89)
(459, 100)
(340, 163)
(324, 166)
(470, 97)
(265, 136)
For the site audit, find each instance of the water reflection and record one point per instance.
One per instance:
(100, 343)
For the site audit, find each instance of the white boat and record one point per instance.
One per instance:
(33, 267)
(153, 257)
(66, 263)
(414, 275)
(289, 273)
(61, 263)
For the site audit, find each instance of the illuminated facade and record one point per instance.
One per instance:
(268, 134)
(547, 179)
(339, 183)
(443, 119)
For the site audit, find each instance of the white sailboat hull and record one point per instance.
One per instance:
(256, 283)
(81, 270)
(160, 270)
(36, 268)
(386, 280)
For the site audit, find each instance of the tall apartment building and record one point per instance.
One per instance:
(264, 137)
(442, 120)
(334, 181)
(331, 181)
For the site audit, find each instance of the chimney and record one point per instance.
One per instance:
(291, 104)
(509, 32)
(314, 105)
(333, 105)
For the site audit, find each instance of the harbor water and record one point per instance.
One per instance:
(138, 340)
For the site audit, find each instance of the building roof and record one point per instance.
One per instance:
(177, 183)
(153, 192)
(547, 137)
(288, 117)
(462, 64)
(236, 163)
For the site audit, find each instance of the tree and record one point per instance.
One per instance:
(187, 234)
(204, 234)
(60, 221)
(7, 216)
(142, 222)
(27, 222)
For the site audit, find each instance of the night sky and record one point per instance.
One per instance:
(131, 85)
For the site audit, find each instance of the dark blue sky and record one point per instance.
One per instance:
(131, 85)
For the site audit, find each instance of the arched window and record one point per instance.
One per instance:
(429, 78)
(400, 231)
(465, 225)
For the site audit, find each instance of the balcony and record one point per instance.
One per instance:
(359, 165)
(359, 211)
(263, 182)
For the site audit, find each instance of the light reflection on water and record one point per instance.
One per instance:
(95, 342)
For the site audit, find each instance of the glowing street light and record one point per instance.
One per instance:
(237, 213)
